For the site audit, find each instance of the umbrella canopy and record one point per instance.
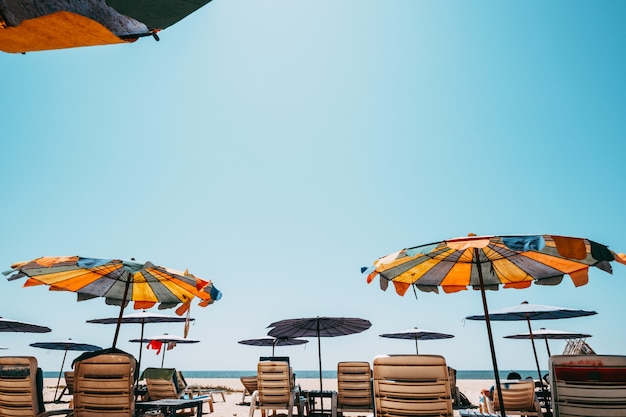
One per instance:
(273, 342)
(13, 326)
(170, 339)
(65, 345)
(143, 318)
(318, 327)
(118, 282)
(38, 25)
(417, 334)
(546, 334)
(527, 312)
(488, 262)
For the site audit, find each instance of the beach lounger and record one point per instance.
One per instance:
(21, 388)
(354, 387)
(69, 386)
(519, 398)
(104, 384)
(275, 389)
(168, 383)
(249, 386)
(588, 385)
(411, 385)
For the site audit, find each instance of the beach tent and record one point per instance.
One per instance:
(39, 25)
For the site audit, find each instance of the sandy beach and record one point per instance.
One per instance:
(230, 407)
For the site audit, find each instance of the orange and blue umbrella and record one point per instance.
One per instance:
(491, 262)
(119, 282)
(39, 25)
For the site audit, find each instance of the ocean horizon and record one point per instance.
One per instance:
(460, 374)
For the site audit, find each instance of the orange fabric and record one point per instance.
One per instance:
(401, 287)
(580, 277)
(570, 247)
(58, 30)
(143, 305)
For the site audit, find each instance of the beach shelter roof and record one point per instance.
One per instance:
(38, 25)
(417, 334)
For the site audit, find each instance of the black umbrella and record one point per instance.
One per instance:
(165, 338)
(546, 334)
(318, 327)
(143, 318)
(65, 345)
(14, 326)
(528, 312)
(417, 334)
(273, 342)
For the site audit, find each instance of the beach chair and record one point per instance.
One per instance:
(168, 383)
(69, 387)
(275, 389)
(518, 397)
(411, 385)
(588, 385)
(21, 388)
(249, 386)
(104, 384)
(354, 387)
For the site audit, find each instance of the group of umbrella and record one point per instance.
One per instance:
(479, 262)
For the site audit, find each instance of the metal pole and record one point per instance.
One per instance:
(488, 323)
(119, 318)
(319, 351)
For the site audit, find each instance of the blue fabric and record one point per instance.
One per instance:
(524, 243)
(91, 262)
(215, 293)
(424, 250)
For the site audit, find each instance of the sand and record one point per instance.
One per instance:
(230, 408)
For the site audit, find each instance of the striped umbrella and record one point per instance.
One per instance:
(488, 262)
(118, 282)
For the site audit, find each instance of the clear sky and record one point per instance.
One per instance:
(276, 147)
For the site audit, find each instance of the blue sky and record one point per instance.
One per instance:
(276, 147)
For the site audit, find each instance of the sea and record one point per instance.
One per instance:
(460, 374)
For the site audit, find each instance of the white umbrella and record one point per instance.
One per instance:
(165, 338)
(546, 334)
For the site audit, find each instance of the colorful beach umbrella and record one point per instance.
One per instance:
(14, 326)
(488, 262)
(29, 25)
(169, 340)
(273, 342)
(417, 334)
(143, 318)
(119, 282)
(318, 327)
(65, 345)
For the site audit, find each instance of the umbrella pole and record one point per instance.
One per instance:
(416, 351)
(489, 334)
(319, 352)
(163, 357)
(547, 346)
(532, 339)
(140, 350)
(119, 318)
(59, 379)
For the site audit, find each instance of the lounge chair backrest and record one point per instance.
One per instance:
(20, 392)
(69, 381)
(249, 385)
(516, 395)
(104, 385)
(588, 385)
(161, 383)
(273, 382)
(354, 386)
(415, 385)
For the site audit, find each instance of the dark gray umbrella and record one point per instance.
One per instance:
(546, 334)
(65, 345)
(14, 326)
(165, 338)
(143, 318)
(318, 327)
(528, 312)
(273, 342)
(417, 334)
